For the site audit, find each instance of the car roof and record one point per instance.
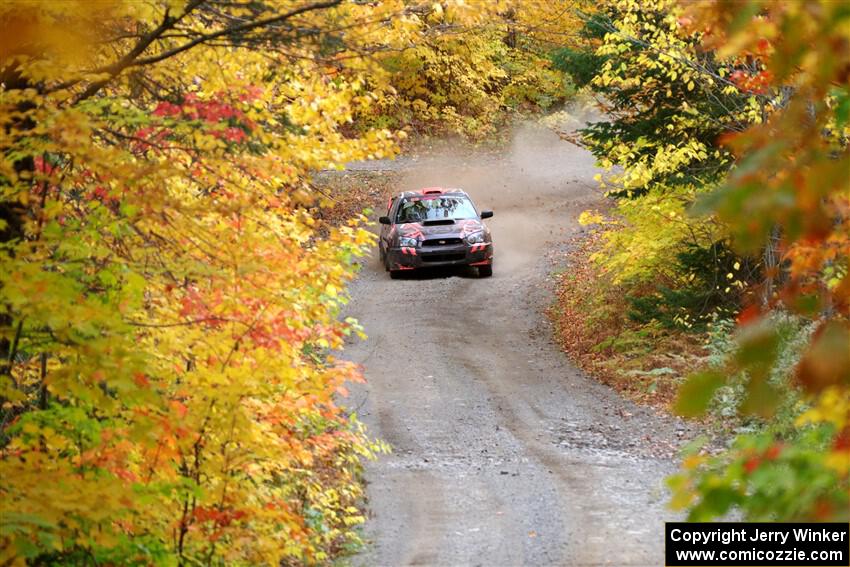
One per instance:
(434, 191)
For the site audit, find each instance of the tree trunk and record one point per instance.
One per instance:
(771, 265)
(13, 213)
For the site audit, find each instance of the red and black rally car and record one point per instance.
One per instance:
(435, 227)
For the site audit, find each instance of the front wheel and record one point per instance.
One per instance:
(485, 271)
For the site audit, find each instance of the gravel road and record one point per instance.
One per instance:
(503, 452)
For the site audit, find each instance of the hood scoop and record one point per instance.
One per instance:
(437, 222)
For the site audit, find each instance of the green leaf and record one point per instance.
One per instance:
(762, 399)
(758, 350)
(842, 107)
(696, 393)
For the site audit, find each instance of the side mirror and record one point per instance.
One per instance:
(384, 220)
(486, 214)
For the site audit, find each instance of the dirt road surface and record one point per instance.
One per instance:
(503, 452)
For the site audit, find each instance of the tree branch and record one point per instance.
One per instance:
(248, 26)
(129, 58)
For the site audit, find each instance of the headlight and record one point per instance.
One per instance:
(475, 238)
(407, 241)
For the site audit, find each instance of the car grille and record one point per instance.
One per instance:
(441, 241)
(443, 257)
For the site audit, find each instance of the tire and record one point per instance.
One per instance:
(485, 271)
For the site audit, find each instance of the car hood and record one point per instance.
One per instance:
(458, 229)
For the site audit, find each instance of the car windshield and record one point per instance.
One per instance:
(418, 209)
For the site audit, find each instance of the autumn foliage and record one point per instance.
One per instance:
(167, 298)
(170, 291)
(170, 295)
(726, 149)
(791, 190)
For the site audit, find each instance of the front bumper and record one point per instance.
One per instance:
(407, 258)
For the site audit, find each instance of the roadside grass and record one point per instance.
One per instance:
(645, 362)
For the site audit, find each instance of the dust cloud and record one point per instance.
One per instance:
(536, 188)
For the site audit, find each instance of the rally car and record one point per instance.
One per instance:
(435, 227)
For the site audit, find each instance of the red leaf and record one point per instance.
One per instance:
(748, 315)
(179, 408)
(752, 464)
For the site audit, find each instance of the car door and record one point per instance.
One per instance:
(386, 229)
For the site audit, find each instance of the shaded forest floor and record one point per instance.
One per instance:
(644, 362)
